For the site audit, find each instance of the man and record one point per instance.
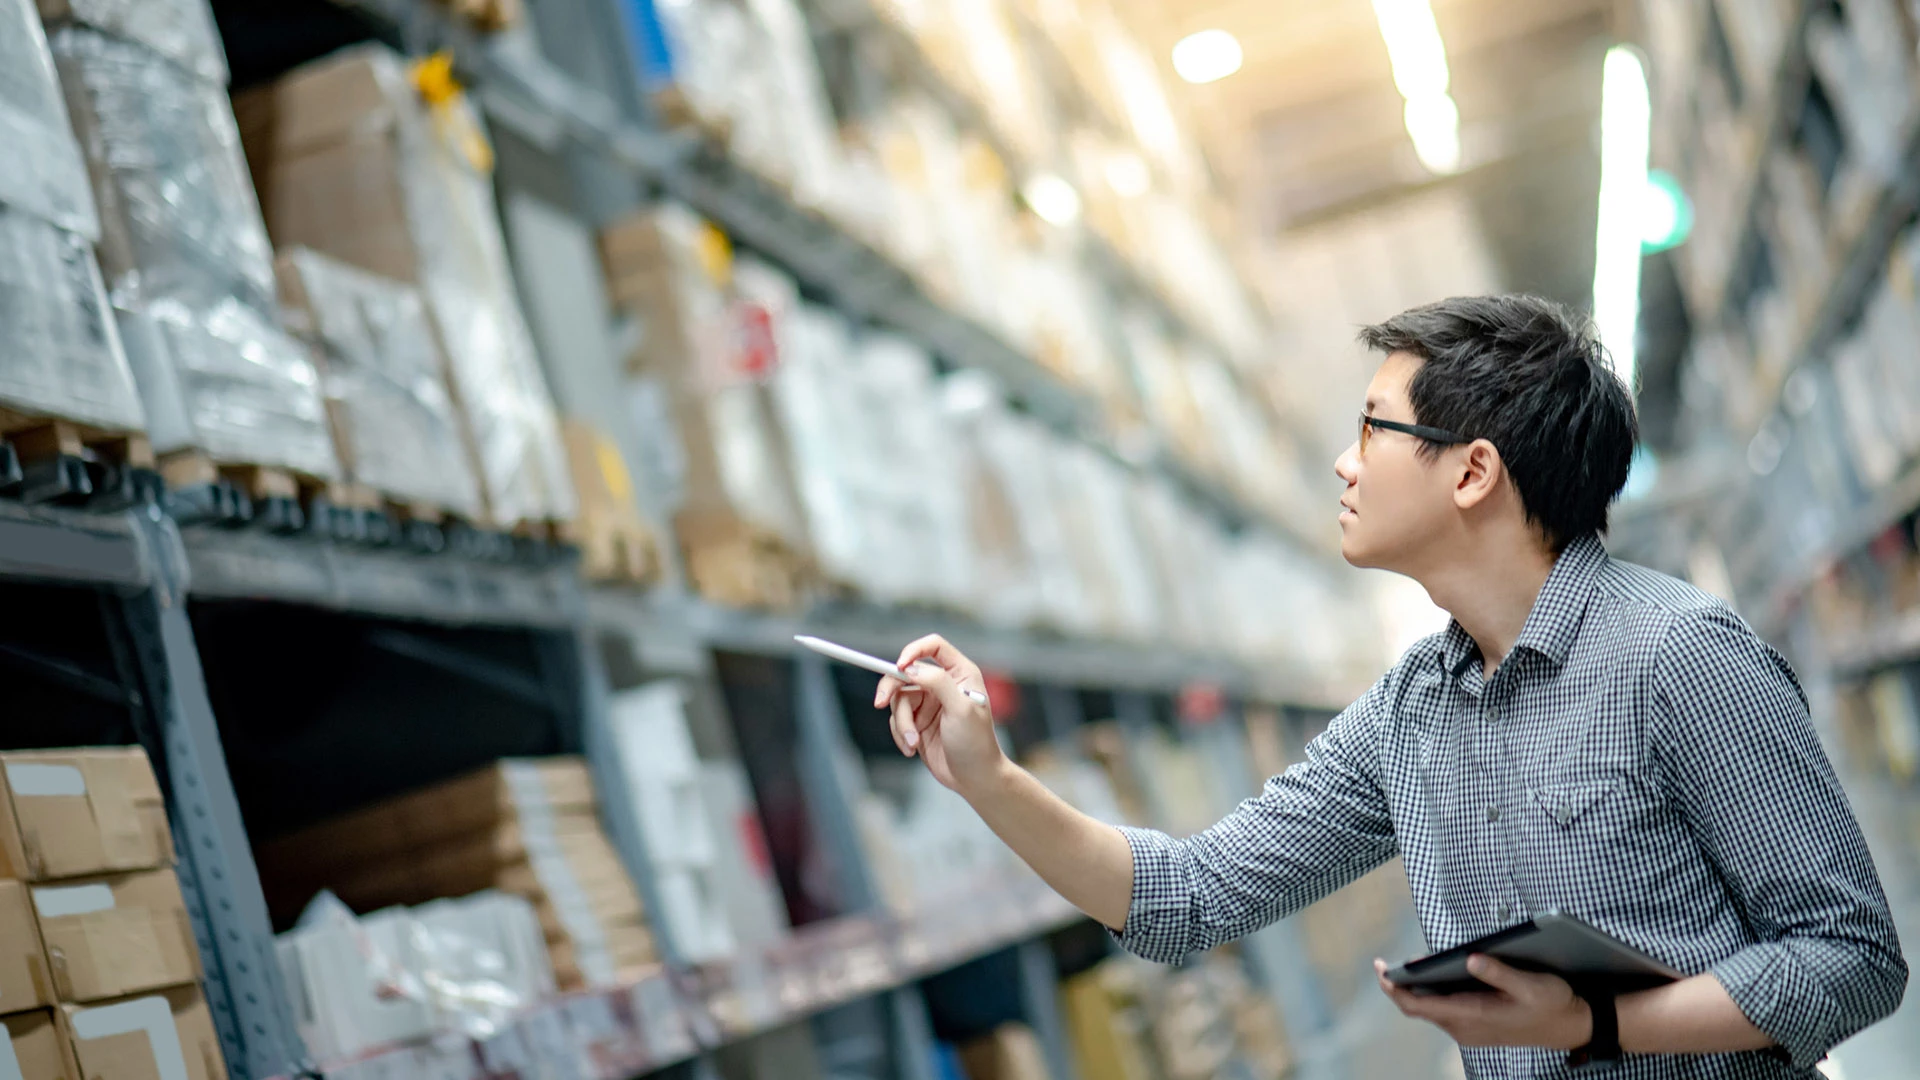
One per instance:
(1586, 735)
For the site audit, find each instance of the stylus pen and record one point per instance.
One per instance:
(870, 663)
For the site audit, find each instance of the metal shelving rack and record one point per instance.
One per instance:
(145, 568)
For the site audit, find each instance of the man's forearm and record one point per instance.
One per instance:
(1692, 1016)
(1083, 859)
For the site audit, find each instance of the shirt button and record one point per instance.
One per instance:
(1493, 712)
(1506, 912)
(1493, 813)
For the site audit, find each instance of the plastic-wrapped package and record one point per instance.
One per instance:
(384, 380)
(187, 261)
(42, 172)
(178, 214)
(351, 162)
(60, 352)
(226, 380)
(183, 31)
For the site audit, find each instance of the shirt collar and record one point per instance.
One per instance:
(1557, 612)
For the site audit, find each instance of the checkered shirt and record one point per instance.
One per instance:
(1641, 760)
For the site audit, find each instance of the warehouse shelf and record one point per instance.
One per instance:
(1783, 90)
(48, 543)
(662, 624)
(1886, 509)
(254, 565)
(1883, 644)
(669, 1017)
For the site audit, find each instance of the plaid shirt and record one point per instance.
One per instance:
(1641, 760)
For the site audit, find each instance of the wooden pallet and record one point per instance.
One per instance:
(193, 468)
(747, 567)
(622, 556)
(54, 459)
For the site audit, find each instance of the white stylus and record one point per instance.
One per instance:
(871, 663)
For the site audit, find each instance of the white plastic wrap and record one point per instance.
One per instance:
(187, 261)
(183, 31)
(403, 974)
(42, 171)
(384, 380)
(356, 165)
(60, 353)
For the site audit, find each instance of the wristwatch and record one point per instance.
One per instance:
(1603, 1044)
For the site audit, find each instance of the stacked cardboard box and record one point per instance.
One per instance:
(393, 421)
(526, 827)
(185, 255)
(351, 160)
(60, 353)
(95, 942)
(1008, 1052)
(711, 352)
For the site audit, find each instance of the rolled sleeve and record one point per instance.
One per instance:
(1159, 917)
(1768, 812)
(1315, 827)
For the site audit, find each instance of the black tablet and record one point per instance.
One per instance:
(1552, 941)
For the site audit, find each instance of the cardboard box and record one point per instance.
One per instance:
(25, 982)
(73, 813)
(112, 937)
(166, 1036)
(1009, 1052)
(32, 1047)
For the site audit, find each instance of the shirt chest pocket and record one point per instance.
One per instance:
(1568, 804)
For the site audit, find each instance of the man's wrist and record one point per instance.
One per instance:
(993, 783)
(1579, 1025)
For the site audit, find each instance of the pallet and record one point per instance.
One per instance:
(746, 567)
(242, 493)
(620, 556)
(50, 459)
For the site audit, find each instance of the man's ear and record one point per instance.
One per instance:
(1481, 474)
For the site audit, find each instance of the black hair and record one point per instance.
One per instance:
(1531, 377)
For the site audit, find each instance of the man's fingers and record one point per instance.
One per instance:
(1509, 980)
(935, 649)
(888, 687)
(940, 684)
(899, 724)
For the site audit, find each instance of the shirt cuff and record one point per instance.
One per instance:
(1779, 996)
(1160, 914)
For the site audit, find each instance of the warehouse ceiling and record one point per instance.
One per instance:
(1311, 126)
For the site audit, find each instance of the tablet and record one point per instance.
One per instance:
(1552, 941)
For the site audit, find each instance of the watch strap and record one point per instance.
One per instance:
(1603, 1044)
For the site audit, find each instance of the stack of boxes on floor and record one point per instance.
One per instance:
(386, 167)
(528, 828)
(99, 972)
(60, 353)
(185, 255)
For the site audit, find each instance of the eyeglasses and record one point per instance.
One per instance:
(1431, 434)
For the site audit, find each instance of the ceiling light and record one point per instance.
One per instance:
(1128, 176)
(1419, 59)
(1626, 118)
(1207, 56)
(1052, 198)
(1418, 55)
(1433, 123)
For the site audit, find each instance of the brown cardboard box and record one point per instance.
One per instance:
(617, 544)
(24, 980)
(36, 1044)
(70, 813)
(1010, 1052)
(165, 1036)
(110, 937)
(1108, 1045)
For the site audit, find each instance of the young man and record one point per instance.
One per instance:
(1586, 735)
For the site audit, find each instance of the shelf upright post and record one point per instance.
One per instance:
(155, 651)
(1040, 998)
(828, 767)
(828, 771)
(576, 676)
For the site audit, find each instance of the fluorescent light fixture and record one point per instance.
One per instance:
(1413, 45)
(1052, 198)
(1434, 125)
(1207, 56)
(1128, 176)
(1420, 73)
(1626, 120)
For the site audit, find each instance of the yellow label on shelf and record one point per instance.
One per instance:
(613, 469)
